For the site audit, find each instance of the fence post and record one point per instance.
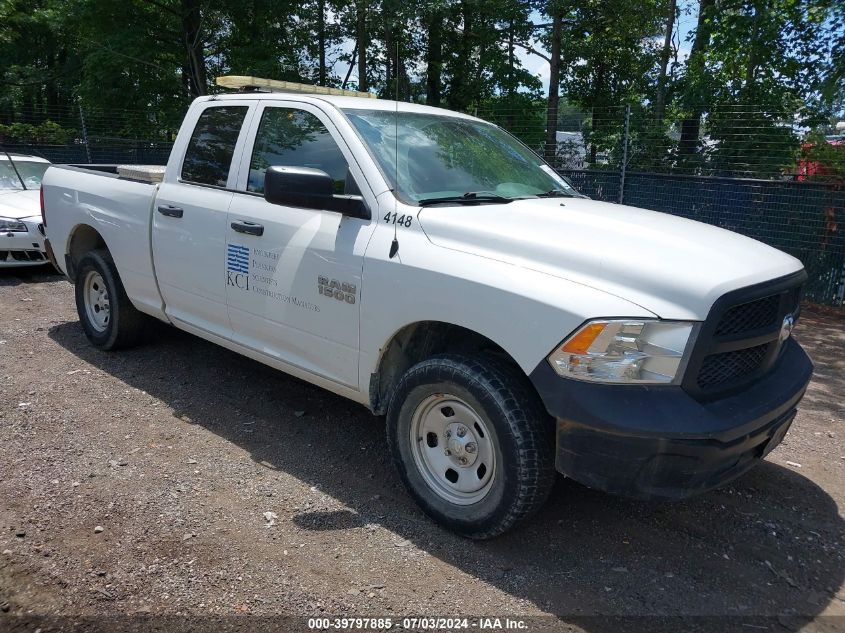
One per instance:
(84, 134)
(624, 166)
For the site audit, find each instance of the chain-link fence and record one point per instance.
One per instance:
(745, 168)
(77, 135)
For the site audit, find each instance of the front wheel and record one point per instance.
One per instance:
(472, 443)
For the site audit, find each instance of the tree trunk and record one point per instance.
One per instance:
(753, 48)
(389, 56)
(351, 65)
(192, 36)
(691, 126)
(511, 88)
(461, 92)
(434, 59)
(554, 89)
(660, 97)
(51, 88)
(361, 36)
(404, 82)
(186, 77)
(321, 41)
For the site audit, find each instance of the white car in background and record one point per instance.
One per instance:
(21, 228)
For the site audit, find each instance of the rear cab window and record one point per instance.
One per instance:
(211, 147)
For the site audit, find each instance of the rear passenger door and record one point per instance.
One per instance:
(189, 218)
(294, 290)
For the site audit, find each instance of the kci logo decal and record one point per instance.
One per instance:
(238, 280)
(237, 266)
(341, 291)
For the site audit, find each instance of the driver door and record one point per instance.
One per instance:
(295, 274)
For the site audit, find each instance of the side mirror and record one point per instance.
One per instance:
(310, 189)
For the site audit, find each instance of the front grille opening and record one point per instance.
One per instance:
(22, 256)
(755, 324)
(746, 317)
(729, 366)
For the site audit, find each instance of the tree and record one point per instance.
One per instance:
(758, 65)
(550, 147)
(665, 52)
(361, 39)
(695, 80)
(761, 65)
(262, 38)
(434, 21)
(40, 65)
(609, 66)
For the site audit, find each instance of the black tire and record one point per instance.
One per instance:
(522, 435)
(125, 325)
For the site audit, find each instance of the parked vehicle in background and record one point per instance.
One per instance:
(21, 229)
(431, 267)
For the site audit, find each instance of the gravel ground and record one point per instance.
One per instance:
(138, 483)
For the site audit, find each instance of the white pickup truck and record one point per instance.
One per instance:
(428, 265)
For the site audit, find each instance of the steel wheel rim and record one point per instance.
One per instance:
(96, 298)
(453, 449)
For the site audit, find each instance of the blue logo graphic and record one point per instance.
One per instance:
(237, 259)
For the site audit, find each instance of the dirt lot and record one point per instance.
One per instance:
(137, 482)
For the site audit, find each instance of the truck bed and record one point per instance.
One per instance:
(118, 208)
(139, 173)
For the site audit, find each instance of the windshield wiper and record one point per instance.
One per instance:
(555, 193)
(470, 197)
(15, 167)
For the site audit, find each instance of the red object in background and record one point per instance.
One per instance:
(808, 167)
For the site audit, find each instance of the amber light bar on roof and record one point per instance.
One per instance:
(239, 82)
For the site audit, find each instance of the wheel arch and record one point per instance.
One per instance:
(417, 341)
(82, 239)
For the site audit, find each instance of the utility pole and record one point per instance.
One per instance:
(623, 167)
(85, 134)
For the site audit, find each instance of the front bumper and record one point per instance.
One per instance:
(23, 249)
(659, 442)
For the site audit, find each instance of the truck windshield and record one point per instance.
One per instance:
(25, 174)
(443, 159)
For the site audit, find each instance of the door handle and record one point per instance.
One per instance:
(170, 211)
(250, 228)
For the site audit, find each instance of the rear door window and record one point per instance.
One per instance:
(212, 145)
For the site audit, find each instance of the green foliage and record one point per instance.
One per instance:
(570, 117)
(521, 114)
(750, 143)
(612, 53)
(757, 73)
(48, 133)
(760, 70)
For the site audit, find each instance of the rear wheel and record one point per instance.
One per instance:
(109, 319)
(472, 443)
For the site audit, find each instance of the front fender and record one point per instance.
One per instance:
(527, 313)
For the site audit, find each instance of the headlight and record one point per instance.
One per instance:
(15, 226)
(624, 351)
